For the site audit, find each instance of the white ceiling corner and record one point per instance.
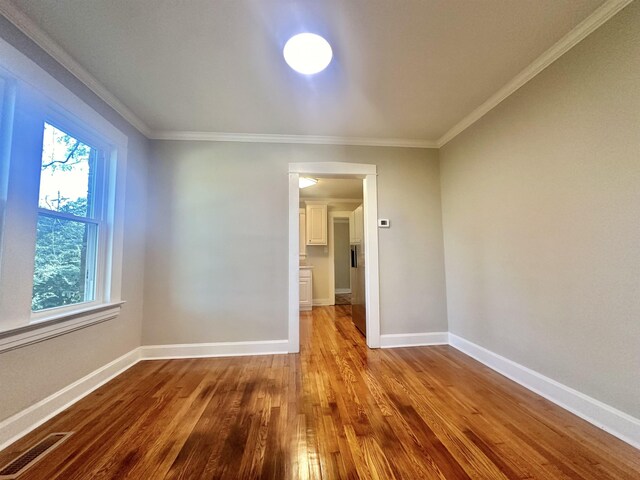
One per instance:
(44, 41)
(571, 39)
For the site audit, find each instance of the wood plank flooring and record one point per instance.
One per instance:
(335, 411)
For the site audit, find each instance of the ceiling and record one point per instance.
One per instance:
(334, 188)
(405, 69)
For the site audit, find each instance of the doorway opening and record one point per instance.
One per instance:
(316, 244)
(342, 257)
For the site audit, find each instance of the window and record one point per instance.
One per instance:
(2, 87)
(69, 221)
(62, 184)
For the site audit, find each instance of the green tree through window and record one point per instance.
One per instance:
(66, 237)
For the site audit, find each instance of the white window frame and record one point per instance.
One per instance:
(6, 130)
(42, 98)
(101, 192)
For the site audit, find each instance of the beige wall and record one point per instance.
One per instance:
(218, 236)
(31, 373)
(341, 256)
(541, 209)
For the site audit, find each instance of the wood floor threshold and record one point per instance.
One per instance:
(337, 410)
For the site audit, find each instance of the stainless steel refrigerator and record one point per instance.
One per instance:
(358, 309)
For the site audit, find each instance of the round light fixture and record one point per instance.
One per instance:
(307, 53)
(305, 182)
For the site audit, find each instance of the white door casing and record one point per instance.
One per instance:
(372, 288)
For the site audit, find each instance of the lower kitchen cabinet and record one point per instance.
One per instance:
(306, 289)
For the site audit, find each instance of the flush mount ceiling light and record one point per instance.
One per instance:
(305, 182)
(307, 53)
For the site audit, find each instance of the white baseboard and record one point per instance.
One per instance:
(218, 349)
(18, 425)
(342, 290)
(614, 421)
(323, 302)
(609, 419)
(394, 340)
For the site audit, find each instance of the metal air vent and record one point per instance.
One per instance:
(19, 465)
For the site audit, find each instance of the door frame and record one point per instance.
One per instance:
(332, 217)
(368, 173)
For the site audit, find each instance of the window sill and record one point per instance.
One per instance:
(58, 324)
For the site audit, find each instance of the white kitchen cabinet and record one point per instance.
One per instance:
(356, 226)
(303, 235)
(316, 220)
(306, 289)
(352, 228)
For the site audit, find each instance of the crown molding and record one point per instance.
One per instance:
(566, 43)
(292, 139)
(46, 43)
(330, 201)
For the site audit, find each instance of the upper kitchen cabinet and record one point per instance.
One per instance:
(352, 228)
(356, 226)
(316, 220)
(303, 234)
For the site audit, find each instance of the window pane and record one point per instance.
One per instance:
(67, 173)
(65, 262)
(2, 87)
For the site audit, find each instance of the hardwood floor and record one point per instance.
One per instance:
(336, 410)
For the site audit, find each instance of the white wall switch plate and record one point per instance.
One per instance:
(384, 223)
